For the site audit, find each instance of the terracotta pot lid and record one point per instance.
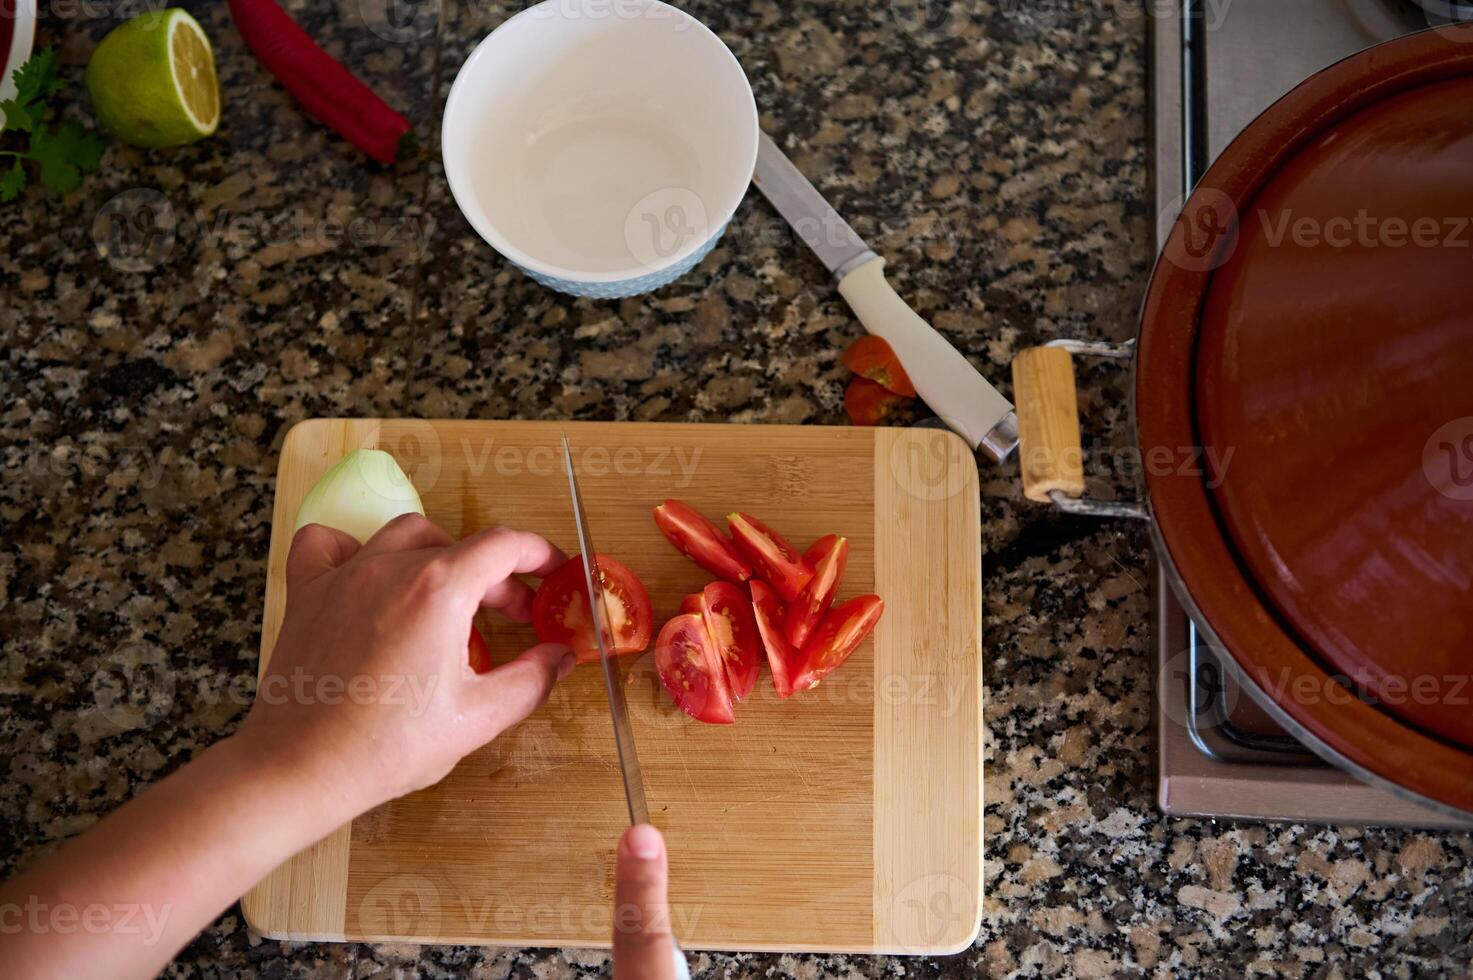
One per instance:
(1335, 365)
(1309, 333)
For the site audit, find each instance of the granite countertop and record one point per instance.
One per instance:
(166, 324)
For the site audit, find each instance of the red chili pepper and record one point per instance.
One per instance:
(328, 90)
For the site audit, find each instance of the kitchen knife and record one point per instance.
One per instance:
(963, 399)
(639, 811)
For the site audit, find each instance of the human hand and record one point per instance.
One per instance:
(644, 948)
(368, 692)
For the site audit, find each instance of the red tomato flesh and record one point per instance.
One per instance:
(872, 357)
(560, 612)
(868, 402)
(838, 635)
(727, 613)
(700, 541)
(480, 653)
(781, 658)
(692, 671)
(691, 604)
(828, 556)
(773, 560)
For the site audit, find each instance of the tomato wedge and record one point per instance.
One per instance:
(691, 604)
(700, 541)
(560, 612)
(781, 657)
(691, 670)
(828, 557)
(727, 613)
(872, 357)
(837, 636)
(773, 559)
(868, 402)
(480, 653)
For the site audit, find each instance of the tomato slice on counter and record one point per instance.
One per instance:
(560, 612)
(691, 604)
(692, 671)
(781, 657)
(868, 402)
(727, 613)
(699, 540)
(838, 635)
(828, 557)
(872, 357)
(773, 559)
(480, 653)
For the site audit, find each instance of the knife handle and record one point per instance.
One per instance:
(965, 401)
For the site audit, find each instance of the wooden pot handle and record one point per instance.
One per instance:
(1049, 450)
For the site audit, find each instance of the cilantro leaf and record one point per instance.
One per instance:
(17, 115)
(37, 79)
(13, 182)
(61, 153)
(64, 153)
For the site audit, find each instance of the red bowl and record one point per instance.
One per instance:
(1326, 351)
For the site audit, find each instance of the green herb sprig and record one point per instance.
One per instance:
(60, 152)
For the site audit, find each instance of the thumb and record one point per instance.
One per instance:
(644, 948)
(505, 695)
(317, 549)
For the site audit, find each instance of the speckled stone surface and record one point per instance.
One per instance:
(996, 153)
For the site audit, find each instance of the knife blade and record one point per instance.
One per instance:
(639, 811)
(964, 400)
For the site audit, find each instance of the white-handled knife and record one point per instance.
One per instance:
(945, 379)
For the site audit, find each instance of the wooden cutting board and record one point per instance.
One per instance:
(847, 818)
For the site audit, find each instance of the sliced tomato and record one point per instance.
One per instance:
(872, 357)
(838, 635)
(701, 541)
(781, 658)
(828, 556)
(691, 604)
(868, 402)
(480, 653)
(773, 559)
(727, 613)
(691, 670)
(560, 612)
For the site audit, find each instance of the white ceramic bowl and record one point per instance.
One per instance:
(600, 145)
(15, 43)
